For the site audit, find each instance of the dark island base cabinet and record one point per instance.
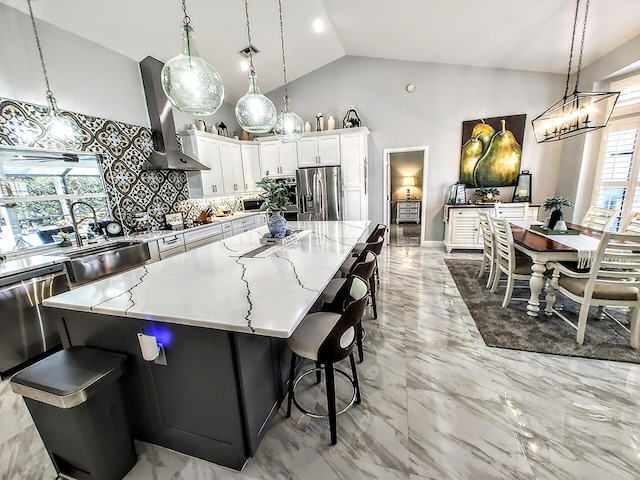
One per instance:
(215, 397)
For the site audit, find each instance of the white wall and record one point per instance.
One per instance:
(444, 97)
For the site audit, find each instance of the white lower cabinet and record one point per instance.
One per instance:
(171, 245)
(202, 236)
(242, 225)
(462, 225)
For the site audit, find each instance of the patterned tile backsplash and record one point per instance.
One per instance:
(123, 149)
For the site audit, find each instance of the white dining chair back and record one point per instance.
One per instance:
(599, 219)
(512, 211)
(514, 267)
(488, 249)
(612, 281)
(631, 224)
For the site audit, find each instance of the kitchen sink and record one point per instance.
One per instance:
(96, 262)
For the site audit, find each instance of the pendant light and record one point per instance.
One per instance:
(255, 113)
(578, 112)
(62, 129)
(289, 126)
(190, 83)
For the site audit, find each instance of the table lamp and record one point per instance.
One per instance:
(409, 182)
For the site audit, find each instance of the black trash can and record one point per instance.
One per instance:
(75, 399)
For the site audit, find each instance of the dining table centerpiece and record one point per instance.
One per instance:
(554, 205)
(276, 199)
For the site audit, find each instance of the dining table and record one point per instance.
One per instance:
(543, 249)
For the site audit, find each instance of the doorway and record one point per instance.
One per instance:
(405, 181)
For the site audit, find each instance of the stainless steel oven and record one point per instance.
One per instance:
(27, 334)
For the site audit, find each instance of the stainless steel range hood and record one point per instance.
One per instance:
(167, 154)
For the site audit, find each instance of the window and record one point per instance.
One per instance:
(36, 196)
(618, 174)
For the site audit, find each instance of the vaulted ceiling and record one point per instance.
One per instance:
(514, 34)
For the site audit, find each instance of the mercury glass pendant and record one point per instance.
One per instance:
(289, 126)
(60, 128)
(191, 84)
(255, 113)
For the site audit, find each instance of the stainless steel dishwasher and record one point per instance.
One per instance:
(26, 333)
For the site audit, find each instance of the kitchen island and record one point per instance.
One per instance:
(222, 313)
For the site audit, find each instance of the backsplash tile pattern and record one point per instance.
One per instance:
(123, 150)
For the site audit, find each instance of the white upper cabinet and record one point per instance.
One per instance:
(278, 159)
(319, 151)
(251, 167)
(230, 173)
(204, 183)
(270, 156)
(231, 161)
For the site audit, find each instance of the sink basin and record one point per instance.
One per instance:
(93, 263)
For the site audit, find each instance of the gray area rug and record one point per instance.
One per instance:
(512, 328)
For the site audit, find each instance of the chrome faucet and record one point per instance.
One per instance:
(76, 223)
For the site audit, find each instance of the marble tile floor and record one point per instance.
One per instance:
(437, 404)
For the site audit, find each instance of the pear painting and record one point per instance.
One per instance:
(492, 151)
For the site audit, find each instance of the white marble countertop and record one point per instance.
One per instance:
(212, 287)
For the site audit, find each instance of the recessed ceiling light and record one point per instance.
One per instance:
(318, 25)
(244, 65)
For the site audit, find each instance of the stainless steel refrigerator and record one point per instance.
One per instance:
(319, 193)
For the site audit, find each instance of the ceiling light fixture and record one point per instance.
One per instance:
(578, 112)
(255, 113)
(318, 25)
(190, 83)
(289, 126)
(61, 128)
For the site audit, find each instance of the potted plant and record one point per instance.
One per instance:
(487, 194)
(276, 199)
(554, 204)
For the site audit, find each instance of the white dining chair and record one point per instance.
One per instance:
(599, 219)
(612, 281)
(631, 224)
(488, 248)
(512, 211)
(507, 262)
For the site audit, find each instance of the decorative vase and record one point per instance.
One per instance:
(277, 225)
(554, 218)
(331, 123)
(307, 127)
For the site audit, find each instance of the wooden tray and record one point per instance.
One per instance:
(546, 231)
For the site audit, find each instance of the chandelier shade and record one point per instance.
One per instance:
(289, 126)
(190, 83)
(255, 113)
(579, 112)
(574, 115)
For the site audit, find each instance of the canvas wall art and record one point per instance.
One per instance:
(492, 151)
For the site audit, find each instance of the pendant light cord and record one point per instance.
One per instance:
(284, 63)
(573, 39)
(584, 31)
(44, 68)
(186, 22)
(246, 11)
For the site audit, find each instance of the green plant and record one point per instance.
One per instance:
(275, 196)
(484, 192)
(555, 203)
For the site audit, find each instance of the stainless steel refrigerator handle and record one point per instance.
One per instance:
(322, 199)
(316, 195)
(365, 175)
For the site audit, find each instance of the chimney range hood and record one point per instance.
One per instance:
(167, 154)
